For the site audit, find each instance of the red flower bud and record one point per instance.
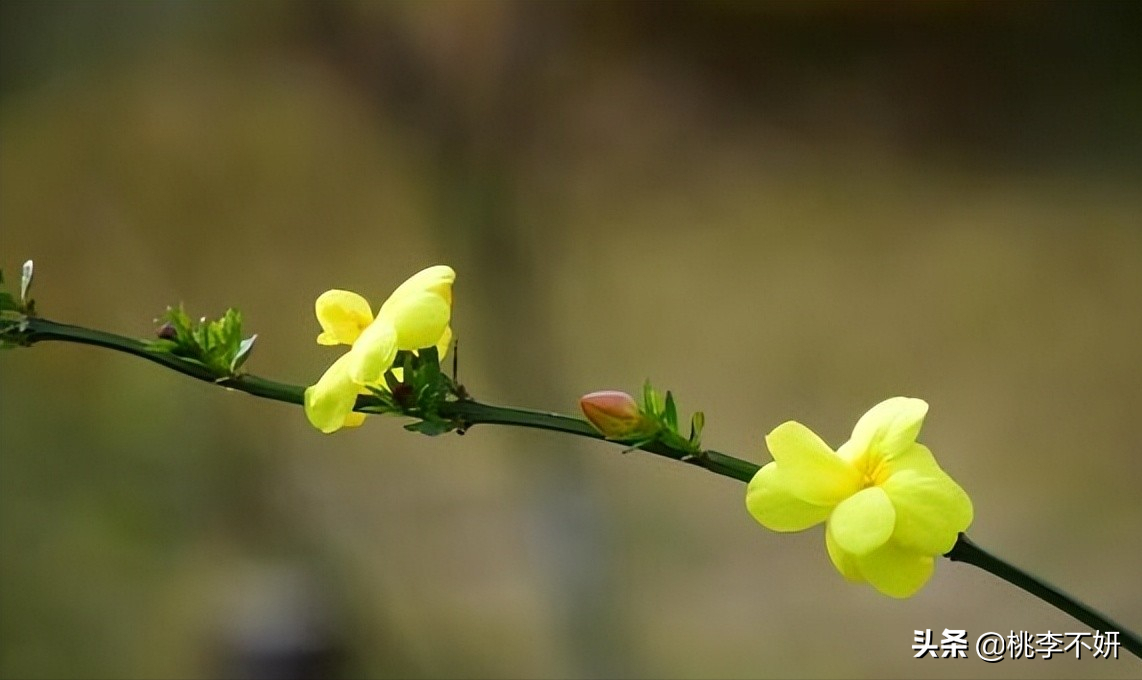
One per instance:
(616, 415)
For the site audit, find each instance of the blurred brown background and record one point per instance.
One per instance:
(779, 211)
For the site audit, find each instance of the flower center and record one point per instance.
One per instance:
(873, 470)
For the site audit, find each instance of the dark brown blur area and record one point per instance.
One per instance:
(785, 210)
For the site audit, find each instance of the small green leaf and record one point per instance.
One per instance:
(392, 382)
(697, 422)
(429, 361)
(243, 353)
(388, 403)
(429, 354)
(670, 412)
(431, 427)
(653, 404)
(231, 331)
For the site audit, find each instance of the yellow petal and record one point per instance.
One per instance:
(436, 280)
(896, 571)
(809, 468)
(890, 427)
(445, 343)
(843, 561)
(771, 504)
(343, 315)
(917, 458)
(354, 419)
(931, 510)
(863, 522)
(373, 353)
(329, 403)
(419, 319)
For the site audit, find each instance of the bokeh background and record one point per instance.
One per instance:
(779, 211)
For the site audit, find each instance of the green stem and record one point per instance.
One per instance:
(968, 552)
(468, 412)
(42, 330)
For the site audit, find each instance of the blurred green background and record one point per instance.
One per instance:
(779, 211)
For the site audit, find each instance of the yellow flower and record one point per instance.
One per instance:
(889, 508)
(414, 317)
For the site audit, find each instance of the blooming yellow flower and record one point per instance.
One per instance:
(889, 508)
(414, 317)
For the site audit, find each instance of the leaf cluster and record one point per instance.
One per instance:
(416, 387)
(215, 344)
(662, 409)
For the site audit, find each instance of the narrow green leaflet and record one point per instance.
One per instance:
(697, 422)
(244, 349)
(651, 400)
(670, 412)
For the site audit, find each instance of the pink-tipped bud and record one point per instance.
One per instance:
(616, 415)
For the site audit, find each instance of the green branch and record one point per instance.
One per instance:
(36, 330)
(468, 412)
(968, 552)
